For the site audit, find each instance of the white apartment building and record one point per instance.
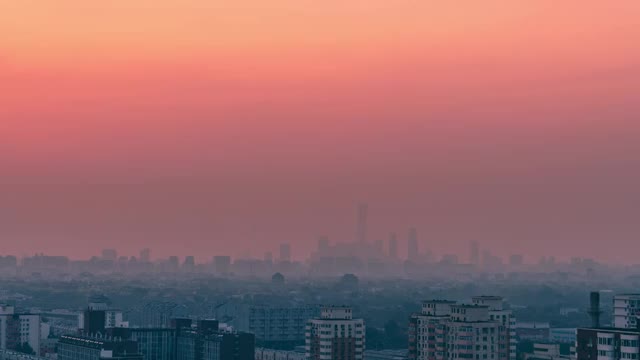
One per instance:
(607, 344)
(626, 309)
(504, 316)
(19, 329)
(335, 335)
(429, 328)
(445, 330)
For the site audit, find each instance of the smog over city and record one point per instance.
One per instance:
(319, 180)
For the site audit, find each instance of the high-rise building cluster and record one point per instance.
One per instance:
(397, 254)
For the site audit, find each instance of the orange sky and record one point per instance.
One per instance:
(325, 103)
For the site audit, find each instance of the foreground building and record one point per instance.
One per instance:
(447, 330)
(19, 331)
(610, 343)
(626, 308)
(272, 354)
(335, 335)
(550, 351)
(153, 343)
(77, 347)
(188, 340)
(277, 327)
(498, 312)
(607, 344)
(209, 341)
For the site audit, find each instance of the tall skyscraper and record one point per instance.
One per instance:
(145, 255)
(222, 264)
(474, 257)
(516, 260)
(393, 246)
(109, 254)
(361, 228)
(323, 245)
(189, 263)
(379, 247)
(285, 252)
(335, 335)
(412, 245)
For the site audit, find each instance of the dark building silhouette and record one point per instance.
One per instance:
(361, 226)
(153, 343)
(73, 347)
(323, 246)
(184, 340)
(94, 322)
(285, 252)
(207, 341)
(237, 346)
(412, 245)
(222, 264)
(474, 257)
(393, 246)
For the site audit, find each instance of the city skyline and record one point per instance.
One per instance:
(409, 246)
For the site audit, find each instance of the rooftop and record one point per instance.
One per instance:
(612, 329)
(471, 306)
(488, 297)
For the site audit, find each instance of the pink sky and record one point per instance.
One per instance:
(191, 125)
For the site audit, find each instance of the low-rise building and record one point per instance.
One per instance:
(75, 347)
(549, 351)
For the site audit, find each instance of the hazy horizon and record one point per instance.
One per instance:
(202, 127)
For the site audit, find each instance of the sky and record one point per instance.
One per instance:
(229, 127)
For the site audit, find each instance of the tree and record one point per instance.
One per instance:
(25, 348)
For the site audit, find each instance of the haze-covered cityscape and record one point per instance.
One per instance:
(351, 300)
(319, 180)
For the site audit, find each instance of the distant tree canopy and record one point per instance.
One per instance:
(349, 281)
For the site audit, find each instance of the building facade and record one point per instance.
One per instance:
(278, 327)
(626, 308)
(19, 331)
(71, 347)
(607, 344)
(153, 343)
(209, 341)
(447, 330)
(272, 354)
(335, 335)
